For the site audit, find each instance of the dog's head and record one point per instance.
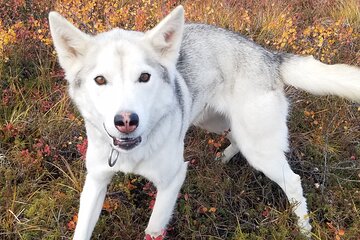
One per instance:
(121, 81)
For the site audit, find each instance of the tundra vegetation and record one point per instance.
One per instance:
(43, 142)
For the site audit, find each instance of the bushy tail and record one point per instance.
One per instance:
(318, 78)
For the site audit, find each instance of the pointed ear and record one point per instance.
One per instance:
(165, 38)
(70, 43)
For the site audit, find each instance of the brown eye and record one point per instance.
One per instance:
(100, 80)
(144, 77)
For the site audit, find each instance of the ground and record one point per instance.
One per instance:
(43, 141)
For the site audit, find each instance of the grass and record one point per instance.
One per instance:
(43, 139)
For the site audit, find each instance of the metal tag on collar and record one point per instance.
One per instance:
(112, 161)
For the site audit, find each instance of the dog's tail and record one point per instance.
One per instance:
(318, 78)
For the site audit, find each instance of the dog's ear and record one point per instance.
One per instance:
(70, 43)
(166, 37)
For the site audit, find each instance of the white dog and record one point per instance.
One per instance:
(140, 92)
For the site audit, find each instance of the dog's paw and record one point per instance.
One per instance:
(160, 236)
(305, 228)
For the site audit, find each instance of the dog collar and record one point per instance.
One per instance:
(112, 161)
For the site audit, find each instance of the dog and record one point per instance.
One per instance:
(139, 93)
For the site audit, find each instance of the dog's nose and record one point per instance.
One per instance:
(126, 122)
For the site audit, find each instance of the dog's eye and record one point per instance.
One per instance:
(100, 80)
(144, 77)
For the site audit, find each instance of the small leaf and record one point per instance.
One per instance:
(107, 206)
(186, 197)
(152, 204)
(212, 210)
(71, 225)
(148, 237)
(203, 210)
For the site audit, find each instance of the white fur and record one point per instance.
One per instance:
(71, 43)
(318, 78)
(166, 37)
(200, 75)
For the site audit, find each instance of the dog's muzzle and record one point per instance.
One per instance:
(125, 143)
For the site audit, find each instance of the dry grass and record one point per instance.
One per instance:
(348, 11)
(43, 141)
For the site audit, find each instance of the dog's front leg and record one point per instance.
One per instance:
(91, 201)
(166, 197)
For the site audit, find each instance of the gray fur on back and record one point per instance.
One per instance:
(229, 57)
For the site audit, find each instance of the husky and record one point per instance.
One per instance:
(139, 92)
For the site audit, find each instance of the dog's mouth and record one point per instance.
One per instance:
(126, 143)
